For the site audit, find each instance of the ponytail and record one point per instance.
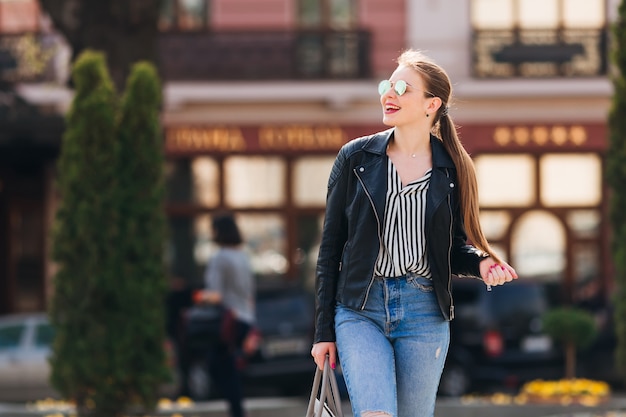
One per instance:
(438, 84)
(468, 186)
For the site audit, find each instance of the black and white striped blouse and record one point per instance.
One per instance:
(403, 247)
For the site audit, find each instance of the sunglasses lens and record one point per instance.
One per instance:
(384, 86)
(400, 87)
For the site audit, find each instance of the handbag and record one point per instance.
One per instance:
(325, 386)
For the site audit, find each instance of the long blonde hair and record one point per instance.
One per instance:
(437, 83)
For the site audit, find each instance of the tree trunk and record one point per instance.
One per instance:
(570, 360)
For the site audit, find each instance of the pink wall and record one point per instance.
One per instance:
(386, 20)
(253, 14)
(19, 16)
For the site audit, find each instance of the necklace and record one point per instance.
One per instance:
(413, 155)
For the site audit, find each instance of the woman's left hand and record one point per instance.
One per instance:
(494, 273)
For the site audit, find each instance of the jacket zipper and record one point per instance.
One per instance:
(369, 197)
(449, 264)
(449, 254)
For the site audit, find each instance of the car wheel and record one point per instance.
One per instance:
(199, 381)
(455, 380)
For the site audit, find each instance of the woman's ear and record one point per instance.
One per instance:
(435, 103)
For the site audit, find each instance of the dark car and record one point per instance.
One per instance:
(283, 363)
(497, 339)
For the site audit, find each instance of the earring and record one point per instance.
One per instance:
(427, 115)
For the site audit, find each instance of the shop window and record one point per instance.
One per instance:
(495, 224)
(184, 15)
(254, 181)
(310, 180)
(571, 179)
(538, 246)
(586, 261)
(506, 180)
(264, 238)
(584, 223)
(205, 173)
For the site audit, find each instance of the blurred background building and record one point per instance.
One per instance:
(261, 94)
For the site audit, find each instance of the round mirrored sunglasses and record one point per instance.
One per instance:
(398, 86)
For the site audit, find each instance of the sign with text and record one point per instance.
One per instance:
(265, 138)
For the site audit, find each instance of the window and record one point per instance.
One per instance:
(205, 181)
(505, 180)
(537, 14)
(264, 237)
(311, 180)
(571, 180)
(539, 38)
(254, 181)
(44, 335)
(11, 336)
(335, 14)
(184, 15)
(329, 44)
(538, 246)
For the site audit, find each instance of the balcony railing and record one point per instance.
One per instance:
(540, 53)
(264, 55)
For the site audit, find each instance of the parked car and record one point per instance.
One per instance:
(25, 346)
(24, 349)
(283, 363)
(497, 339)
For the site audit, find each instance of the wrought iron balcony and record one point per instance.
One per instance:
(264, 55)
(540, 53)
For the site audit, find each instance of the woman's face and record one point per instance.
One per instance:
(411, 106)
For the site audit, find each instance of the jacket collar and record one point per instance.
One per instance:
(378, 142)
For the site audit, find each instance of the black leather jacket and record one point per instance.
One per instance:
(355, 210)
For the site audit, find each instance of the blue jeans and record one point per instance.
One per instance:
(392, 352)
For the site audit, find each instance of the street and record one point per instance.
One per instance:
(296, 407)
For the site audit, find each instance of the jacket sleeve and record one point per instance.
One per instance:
(334, 235)
(464, 258)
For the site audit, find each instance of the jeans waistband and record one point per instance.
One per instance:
(408, 275)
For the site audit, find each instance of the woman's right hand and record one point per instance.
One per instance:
(319, 352)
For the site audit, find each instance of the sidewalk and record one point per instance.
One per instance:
(296, 407)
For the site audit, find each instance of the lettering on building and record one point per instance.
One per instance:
(301, 137)
(540, 135)
(191, 139)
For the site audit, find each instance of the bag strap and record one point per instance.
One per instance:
(329, 393)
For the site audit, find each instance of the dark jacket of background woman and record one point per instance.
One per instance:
(353, 224)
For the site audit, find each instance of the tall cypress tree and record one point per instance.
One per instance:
(142, 226)
(108, 242)
(616, 177)
(85, 237)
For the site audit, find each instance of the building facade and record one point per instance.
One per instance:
(261, 94)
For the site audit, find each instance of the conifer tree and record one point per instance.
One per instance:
(108, 303)
(616, 177)
(142, 226)
(85, 238)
